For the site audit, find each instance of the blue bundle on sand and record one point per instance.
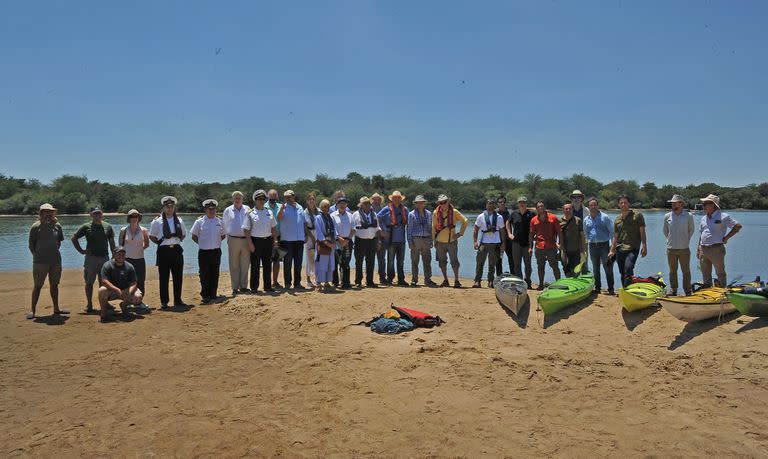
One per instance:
(391, 326)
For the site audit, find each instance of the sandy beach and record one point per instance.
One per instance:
(287, 375)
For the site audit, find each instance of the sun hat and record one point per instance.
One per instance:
(259, 194)
(210, 203)
(131, 213)
(376, 195)
(169, 199)
(419, 198)
(364, 199)
(577, 193)
(289, 193)
(47, 206)
(713, 199)
(522, 199)
(442, 198)
(677, 198)
(396, 194)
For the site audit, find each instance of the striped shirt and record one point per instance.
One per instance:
(419, 225)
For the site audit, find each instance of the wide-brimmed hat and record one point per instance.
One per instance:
(376, 195)
(713, 199)
(396, 194)
(289, 193)
(259, 194)
(96, 210)
(577, 193)
(211, 203)
(677, 198)
(419, 198)
(364, 200)
(522, 199)
(442, 198)
(131, 213)
(47, 206)
(169, 199)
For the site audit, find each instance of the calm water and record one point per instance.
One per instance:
(747, 252)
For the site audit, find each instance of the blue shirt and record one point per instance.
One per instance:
(275, 209)
(419, 225)
(394, 233)
(599, 229)
(713, 229)
(291, 227)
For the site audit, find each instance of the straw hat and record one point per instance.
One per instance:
(419, 198)
(522, 199)
(396, 194)
(131, 213)
(442, 198)
(47, 206)
(677, 198)
(577, 194)
(376, 195)
(713, 199)
(364, 200)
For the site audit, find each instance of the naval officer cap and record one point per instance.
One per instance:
(210, 203)
(169, 200)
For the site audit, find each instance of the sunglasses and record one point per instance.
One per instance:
(261, 199)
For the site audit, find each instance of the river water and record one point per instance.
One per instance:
(747, 252)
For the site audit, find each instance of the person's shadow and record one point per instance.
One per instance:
(635, 318)
(694, 329)
(53, 319)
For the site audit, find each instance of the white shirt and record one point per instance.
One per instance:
(156, 230)
(134, 243)
(208, 232)
(491, 237)
(357, 222)
(233, 220)
(260, 222)
(343, 223)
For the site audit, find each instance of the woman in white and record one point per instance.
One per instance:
(135, 238)
(309, 228)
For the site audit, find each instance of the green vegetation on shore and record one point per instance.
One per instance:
(75, 194)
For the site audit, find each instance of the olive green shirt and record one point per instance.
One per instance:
(97, 238)
(573, 234)
(44, 242)
(627, 230)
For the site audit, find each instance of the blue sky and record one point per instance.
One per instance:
(672, 92)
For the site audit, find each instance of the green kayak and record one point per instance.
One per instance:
(749, 304)
(565, 292)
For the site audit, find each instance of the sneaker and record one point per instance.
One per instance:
(358, 285)
(164, 306)
(234, 292)
(414, 284)
(445, 283)
(476, 284)
(402, 283)
(245, 290)
(346, 286)
(298, 287)
(205, 301)
(372, 285)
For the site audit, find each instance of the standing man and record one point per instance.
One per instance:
(338, 194)
(274, 206)
(237, 244)
(118, 281)
(714, 227)
(208, 232)
(628, 240)
(678, 229)
(420, 241)
(260, 227)
(100, 239)
(366, 236)
(393, 220)
(381, 249)
(45, 238)
(167, 231)
(292, 235)
(573, 246)
(344, 232)
(518, 229)
(599, 230)
(490, 226)
(545, 236)
(446, 237)
(501, 209)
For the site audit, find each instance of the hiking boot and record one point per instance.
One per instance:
(445, 283)
(597, 290)
(414, 284)
(402, 283)
(476, 284)
(164, 306)
(457, 284)
(277, 285)
(611, 292)
(372, 285)
(530, 285)
(429, 283)
(245, 290)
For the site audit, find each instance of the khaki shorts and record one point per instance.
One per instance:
(92, 267)
(443, 250)
(42, 270)
(112, 295)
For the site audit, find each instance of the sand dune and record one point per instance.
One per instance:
(287, 375)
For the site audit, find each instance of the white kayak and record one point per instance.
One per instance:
(511, 291)
(704, 304)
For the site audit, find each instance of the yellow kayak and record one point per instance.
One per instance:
(703, 304)
(641, 295)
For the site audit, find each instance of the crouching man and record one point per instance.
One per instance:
(118, 282)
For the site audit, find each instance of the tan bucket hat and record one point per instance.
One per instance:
(396, 194)
(713, 199)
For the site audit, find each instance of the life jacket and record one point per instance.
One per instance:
(393, 215)
(419, 319)
(650, 280)
(367, 220)
(490, 223)
(444, 222)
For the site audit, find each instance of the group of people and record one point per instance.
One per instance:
(329, 235)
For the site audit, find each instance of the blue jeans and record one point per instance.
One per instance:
(396, 249)
(626, 261)
(598, 255)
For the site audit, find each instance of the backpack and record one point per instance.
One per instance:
(419, 319)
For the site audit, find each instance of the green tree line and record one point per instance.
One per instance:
(75, 194)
